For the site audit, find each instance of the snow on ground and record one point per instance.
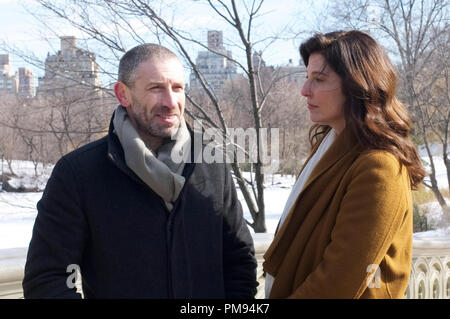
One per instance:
(277, 190)
(17, 215)
(433, 212)
(434, 216)
(441, 175)
(26, 174)
(441, 233)
(27, 168)
(18, 210)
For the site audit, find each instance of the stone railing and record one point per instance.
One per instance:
(430, 275)
(12, 263)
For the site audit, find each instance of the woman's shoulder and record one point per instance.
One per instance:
(376, 156)
(379, 162)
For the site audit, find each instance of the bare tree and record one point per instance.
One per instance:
(113, 24)
(434, 107)
(44, 129)
(8, 136)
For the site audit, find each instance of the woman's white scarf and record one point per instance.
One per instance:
(298, 187)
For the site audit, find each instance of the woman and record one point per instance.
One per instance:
(346, 231)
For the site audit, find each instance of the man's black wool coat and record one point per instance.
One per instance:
(97, 214)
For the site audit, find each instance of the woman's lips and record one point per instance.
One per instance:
(312, 106)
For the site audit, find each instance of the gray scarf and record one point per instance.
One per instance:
(160, 172)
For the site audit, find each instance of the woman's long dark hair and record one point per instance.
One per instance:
(373, 114)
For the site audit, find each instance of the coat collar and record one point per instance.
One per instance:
(344, 143)
(116, 154)
(115, 151)
(344, 148)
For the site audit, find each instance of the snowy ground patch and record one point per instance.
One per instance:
(27, 175)
(17, 215)
(441, 171)
(276, 192)
(18, 210)
(434, 234)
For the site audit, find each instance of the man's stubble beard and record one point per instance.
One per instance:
(145, 125)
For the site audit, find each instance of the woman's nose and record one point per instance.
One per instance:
(306, 89)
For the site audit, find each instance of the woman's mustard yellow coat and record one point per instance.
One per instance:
(349, 234)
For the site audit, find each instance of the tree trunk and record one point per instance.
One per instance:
(434, 185)
(438, 195)
(259, 225)
(447, 164)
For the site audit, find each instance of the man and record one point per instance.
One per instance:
(136, 222)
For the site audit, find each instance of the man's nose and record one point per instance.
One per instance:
(169, 99)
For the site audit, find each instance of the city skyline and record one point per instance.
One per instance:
(22, 31)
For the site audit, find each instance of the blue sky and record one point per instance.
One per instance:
(22, 30)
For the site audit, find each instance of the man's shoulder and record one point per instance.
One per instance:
(80, 163)
(90, 151)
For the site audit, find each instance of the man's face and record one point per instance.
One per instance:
(157, 97)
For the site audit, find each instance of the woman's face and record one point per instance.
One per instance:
(323, 90)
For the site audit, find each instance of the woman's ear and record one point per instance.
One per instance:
(122, 93)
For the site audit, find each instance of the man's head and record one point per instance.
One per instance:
(151, 87)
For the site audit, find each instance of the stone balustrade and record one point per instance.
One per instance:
(430, 274)
(12, 263)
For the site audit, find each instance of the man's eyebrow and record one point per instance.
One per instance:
(154, 82)
(157, 82)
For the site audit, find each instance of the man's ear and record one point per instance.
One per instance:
(122, 93)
